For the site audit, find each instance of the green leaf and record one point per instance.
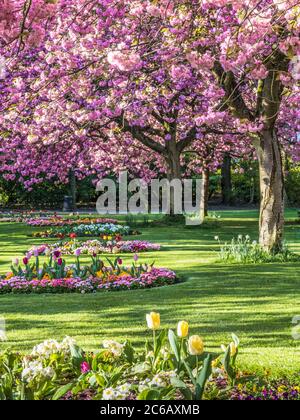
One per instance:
(235, 339)
(190, 373)
(62, 391)
(129, 352)
(160, 341)
(178, 383)
(173, 340)
(203, 377)
(76, 355)
(149, 394)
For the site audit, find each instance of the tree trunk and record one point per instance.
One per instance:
(204, 195)
(271, 222)
(173, 171)
(73, 187)
(226, 180)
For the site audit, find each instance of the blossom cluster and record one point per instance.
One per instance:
(60, 221)
(106, 229)
(156, 277)
(95, 246)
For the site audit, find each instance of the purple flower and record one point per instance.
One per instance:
(59, 261)
(56, 253)
(25, 260)
(36, 252)
(135, 257)
(77, 252)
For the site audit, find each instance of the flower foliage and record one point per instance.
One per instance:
(55, 276)
(95, 246)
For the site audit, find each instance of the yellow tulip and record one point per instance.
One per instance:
(196, 346)
(153, 320)
(182, 329)
(233, 349)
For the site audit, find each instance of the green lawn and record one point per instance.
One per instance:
(256, 302)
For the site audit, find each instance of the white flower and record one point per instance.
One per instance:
(114, 347)
(49, 347)
(217, 238)
(35, 370)
(108, 394)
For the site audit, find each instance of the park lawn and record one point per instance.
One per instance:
(257, 302)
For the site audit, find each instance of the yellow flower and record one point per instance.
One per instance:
(99, 273)
(182, 329)
(109, 238)
(104, 238)
(9, 276)
(153, 320)
(196, 345)
(233, 349)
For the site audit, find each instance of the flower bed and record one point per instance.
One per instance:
(55, 276)
(106, 229)
(21, 216)
(172, 366)
(60, 221)
(95, 246)
(155, 278)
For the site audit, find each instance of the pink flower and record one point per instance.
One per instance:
(85, 367)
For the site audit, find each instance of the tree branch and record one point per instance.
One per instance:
(233, 98)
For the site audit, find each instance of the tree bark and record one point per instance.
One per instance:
(226, 183)
(204, 195)
(173, 170)
(73, 188)
(271, 224)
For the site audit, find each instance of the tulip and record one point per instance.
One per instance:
(47, 252)
(77, 252)
(73, 235)
(120, 261)
(15, 261)
(59, 261)
(153, 320)
(56, 253)
(135, 257)
(195, 345)
(233, 349)
(182, 329)
(25, 260)
(36, 252)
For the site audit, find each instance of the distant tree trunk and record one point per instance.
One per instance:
(271, 224)
(226, 183)
(73, 187)
(173, 171)
(204, 195)
(252, 191)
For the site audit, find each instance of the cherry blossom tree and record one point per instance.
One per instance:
(167, 76)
